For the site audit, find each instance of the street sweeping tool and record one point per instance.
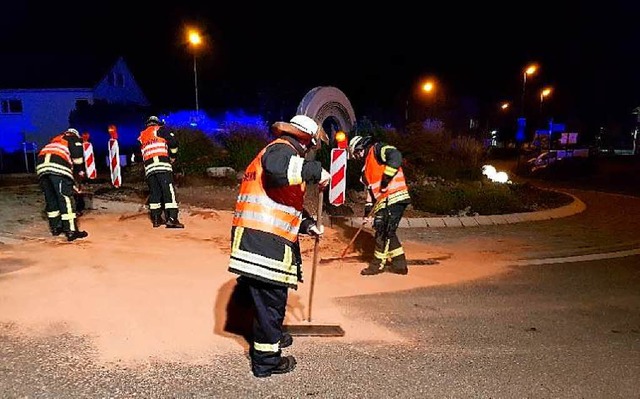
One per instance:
(308, 328)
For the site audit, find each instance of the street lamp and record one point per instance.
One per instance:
(544, 93)
(530, 70)
(428, 87)
(195, 40)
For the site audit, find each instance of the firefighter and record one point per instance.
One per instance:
(159, 148)
(387, 198)
(60, 164)
(265, 250)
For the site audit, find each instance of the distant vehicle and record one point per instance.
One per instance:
(548, 157)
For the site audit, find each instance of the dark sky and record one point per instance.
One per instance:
(589, 53)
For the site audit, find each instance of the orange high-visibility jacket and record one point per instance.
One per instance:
(61, 156)
(155, 151)
(266, 223)
(373, 172)
(257, 210)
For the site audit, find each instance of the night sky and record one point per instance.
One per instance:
(589, 53)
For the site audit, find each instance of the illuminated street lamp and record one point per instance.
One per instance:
(504, 106)
(544, 93)
(427, 87)
(530, 70)
(195, 40)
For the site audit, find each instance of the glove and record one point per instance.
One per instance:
(368, 207)
(316, 231)
(325, 178)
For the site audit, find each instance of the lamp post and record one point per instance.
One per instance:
(530, 70)
(195, 40)
(544, 93)
(428, 87)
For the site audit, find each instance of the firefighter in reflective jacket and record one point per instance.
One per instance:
(386, 187)
(159, 148)
(59, 164)
(265, 250)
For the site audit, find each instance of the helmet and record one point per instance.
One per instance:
(73, 131)
(301, 127)
(358, 143)
(153, 120)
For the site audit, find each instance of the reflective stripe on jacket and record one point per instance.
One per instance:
(155, 151)
(55, 158)
(265, 242)
(397, 189)
(256, 210)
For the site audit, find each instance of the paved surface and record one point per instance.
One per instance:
(540, 330)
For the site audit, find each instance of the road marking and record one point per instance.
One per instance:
(577, 258)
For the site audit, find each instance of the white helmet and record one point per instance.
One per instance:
(301, 126)
(358, 143)
(305, 124)
(73, 131)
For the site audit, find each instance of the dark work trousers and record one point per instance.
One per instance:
(59, 202)
(269, 302)
(388, 246)
(162, 195)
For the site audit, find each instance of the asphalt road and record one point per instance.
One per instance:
(568, 330)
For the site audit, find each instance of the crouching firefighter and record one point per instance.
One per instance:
(387, 199)
(60, 163)
(265, 250)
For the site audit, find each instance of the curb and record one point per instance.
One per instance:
(571, 209)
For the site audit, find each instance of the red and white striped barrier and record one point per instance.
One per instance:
(114, 157)
(338, 172)
(89, 158)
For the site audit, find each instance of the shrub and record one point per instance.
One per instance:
(483, 198)
(242, 143)
(197, 152)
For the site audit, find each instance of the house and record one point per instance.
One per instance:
(37, 95)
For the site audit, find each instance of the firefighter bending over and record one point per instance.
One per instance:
(59, 164)
(387, 199)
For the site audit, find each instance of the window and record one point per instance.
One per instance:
(81, 102)
(10, 106)
(116, 79)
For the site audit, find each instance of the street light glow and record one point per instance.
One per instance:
(504, 105)
(427, 86)
(531, 69)
(194, 37)
(545, 92)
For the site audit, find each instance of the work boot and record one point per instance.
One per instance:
(372, 269)
(72, 235)
(286, 340)
(56, 231)
(174, 223)
(396, 270)
(287, 364)
(156, 220)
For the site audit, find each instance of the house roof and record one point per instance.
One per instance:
(53, 71)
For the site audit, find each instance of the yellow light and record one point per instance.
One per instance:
(340, 136)
(504, 105)
(194, 37)
(545, 92)
(531, 69)
(428, 86)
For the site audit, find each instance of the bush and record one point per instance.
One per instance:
(483, 198)
(242, 143)
(197, 152)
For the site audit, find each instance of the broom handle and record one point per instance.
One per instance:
(316, 251)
